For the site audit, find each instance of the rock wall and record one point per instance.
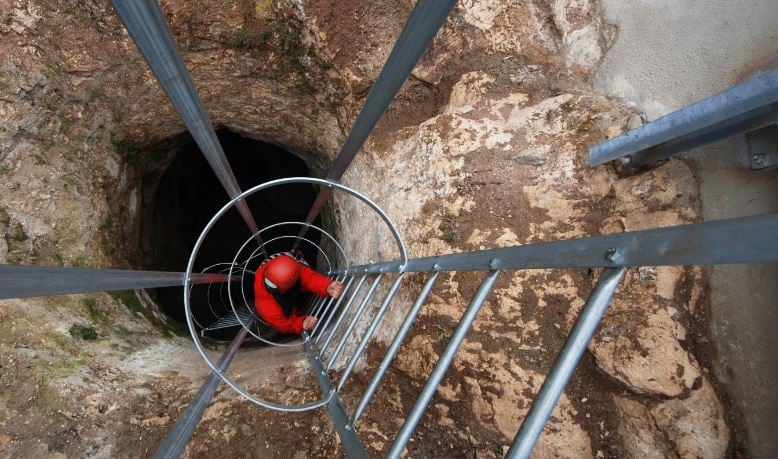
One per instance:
(485, 146)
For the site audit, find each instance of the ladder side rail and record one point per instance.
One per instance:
(566, 363)
(399, 337)
(353, 323)
(735, 240)
(322, 312)
(342, 315)
(334, 311)
(348, 435)
(439, 372)
(700, 120)
(370, 330)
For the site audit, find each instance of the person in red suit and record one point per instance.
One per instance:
(279, 284)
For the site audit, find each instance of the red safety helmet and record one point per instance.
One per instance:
(282, 273)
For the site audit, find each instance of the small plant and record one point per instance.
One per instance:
(261, 7)
(85, 332)
(91, 307)
(242, 38)
(58, 259)
(65, 123)
(40, 160)
(448, 236)
(126, 149)
(18, 234)
(441, 332)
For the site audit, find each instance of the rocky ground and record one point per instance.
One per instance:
(485, 146)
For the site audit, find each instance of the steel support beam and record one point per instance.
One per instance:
(565, 364)
(444, 362)
(736, 240)
(348, 435)
(745, 107)
(422, 26)
(25, 281)
(177, 438)
(146, 24)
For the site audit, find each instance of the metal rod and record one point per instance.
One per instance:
(335, 309)
(423, 24)
(370, 329)
(146, 24)
(747, 106)
(324, 312)
(357, 315)
(318, 304)
(442, 366)
(736, 240)
(566, 362)
(177, 438)
(410, 318)
(18, 281)
(348, 435)
(342, 315)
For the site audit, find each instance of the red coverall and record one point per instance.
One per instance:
(270, 310)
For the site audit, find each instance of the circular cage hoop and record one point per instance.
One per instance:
(190, 267)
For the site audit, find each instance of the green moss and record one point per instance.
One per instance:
(292, 48)
(448, 236)
(90, 304)
(242, 38)
(65, 123)
(17, 234)
(58, 259)
(130, 300)
(126, 149)
(40, 160)
(85, 332)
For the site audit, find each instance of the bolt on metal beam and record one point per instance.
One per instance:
(566, 363)
(146, 24)
(736, 240)
(750, 105)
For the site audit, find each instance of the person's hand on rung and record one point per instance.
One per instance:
(309, 323)
(335, 289)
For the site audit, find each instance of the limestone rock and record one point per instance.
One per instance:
(645, 355)
(695, 425)
(692, 427)
(640, 436)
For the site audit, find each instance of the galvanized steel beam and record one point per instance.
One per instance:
(146, 24)
(737, 240)
(745, 107)
(422, 26)
(25, 281)
(177, 438)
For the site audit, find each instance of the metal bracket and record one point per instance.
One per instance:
(763, 147)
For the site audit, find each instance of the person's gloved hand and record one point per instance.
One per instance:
(309, 323)
(335, 289)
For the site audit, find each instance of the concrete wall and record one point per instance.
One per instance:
(668, 54)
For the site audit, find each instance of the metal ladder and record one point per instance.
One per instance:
(742, 240)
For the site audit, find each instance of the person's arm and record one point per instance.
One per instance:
(313, 282)
(275, 317)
